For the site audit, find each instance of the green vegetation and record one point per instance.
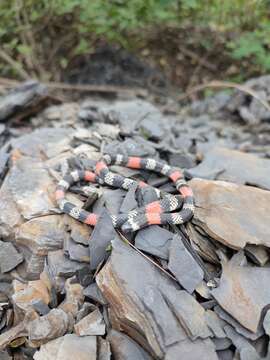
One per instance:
(40, 37)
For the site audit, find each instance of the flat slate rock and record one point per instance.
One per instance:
(30, 186)
(77, 252)
(236, 325)
(183, 265)
(234, 215)
(9, 257)
(243, 290)
(146, 302)
(42, 140)
(234, 166)
(187, 349)
(100, 239)
(154, 240)
(69, 347)
(60, 265)
(22, 99)
(93, 293)
(49, 327)
(124, 348)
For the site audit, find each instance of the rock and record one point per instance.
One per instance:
(226, 355)
(76, 251)
(154, 129)
(48, 327)
(215, 324)
(74, 298)
(183, 265)
(131, 147)
(183, 161)
(222, 343)
(234, 166)
(203, 244)
(42, 234)
(104, 349)
(258, 254)
(25, 294)
(22, 101)
(129, 202)
(40, 307)
(69, 347)
(235, 215)
(31, 187)
(100, 239)
(93, 293)
(247, 351)
(41, 140)
(60, 265)
(154, 240)
(240, 293)
(190, 314)
(80, 233)
(146, 304)
(9, 257)
(124, 348)
(201, 349)
(92, 324)
(238, 327)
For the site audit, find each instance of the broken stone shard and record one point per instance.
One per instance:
(243, 290)
(154, 240)
(49, 327)
(92, 324)
(9, 257)
(69, 347)
(183, 265)
(124, 348)
(100, 239)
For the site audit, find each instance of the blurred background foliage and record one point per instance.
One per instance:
(39, 38)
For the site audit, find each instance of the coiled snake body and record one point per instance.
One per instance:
(157, 212)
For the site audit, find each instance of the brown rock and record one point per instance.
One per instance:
(74, 298)
(24, 294)
(243, 292)
(48, 327)
(69, 347)
(42, 234)
(92, 324)
(235, 215)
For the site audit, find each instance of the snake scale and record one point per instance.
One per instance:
(158, 212)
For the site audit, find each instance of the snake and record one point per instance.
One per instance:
(158, 212)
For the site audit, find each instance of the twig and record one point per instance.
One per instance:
(8, 83)
(145, 256)
(96, 88)
(200, 60)
(225, 84)
(14, 64)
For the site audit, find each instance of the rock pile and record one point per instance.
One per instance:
(196, 292)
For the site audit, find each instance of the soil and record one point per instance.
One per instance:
(168, 58)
